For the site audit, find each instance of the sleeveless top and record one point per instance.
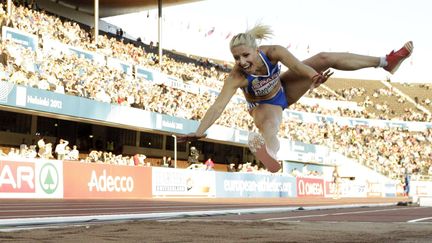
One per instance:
(265, 88)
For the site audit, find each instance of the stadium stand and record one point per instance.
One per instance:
(387, 150)
(420, 93)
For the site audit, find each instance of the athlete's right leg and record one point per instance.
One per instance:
(295, 87)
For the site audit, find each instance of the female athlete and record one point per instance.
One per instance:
(268, 91)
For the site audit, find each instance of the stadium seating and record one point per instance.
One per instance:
(387, 150)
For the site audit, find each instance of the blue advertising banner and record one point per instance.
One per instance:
(57, 49)
(51, 102)
(317, 118)
(172, 124)
(20, 37)
(390, 190)
(120, 65)
(303, 152)
(289, 166)
(254, 185)
(141, 72)
(46, 101)
(81, 53)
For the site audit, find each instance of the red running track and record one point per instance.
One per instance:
(21, 209)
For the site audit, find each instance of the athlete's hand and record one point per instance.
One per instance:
(319, 79)
(189, 137)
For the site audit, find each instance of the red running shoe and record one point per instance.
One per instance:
(394, 59)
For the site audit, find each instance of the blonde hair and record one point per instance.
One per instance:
(250, 37)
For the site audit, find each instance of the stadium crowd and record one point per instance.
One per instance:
(388, 150)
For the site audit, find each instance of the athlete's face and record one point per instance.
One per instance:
(246, 58)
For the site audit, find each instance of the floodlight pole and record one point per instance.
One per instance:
(9, 8)
(96, 21)
(160, 31)
(175, 150)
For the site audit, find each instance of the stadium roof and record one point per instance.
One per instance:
(108, 8)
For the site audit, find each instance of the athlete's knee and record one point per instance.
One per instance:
(325, 58)
(270, 126)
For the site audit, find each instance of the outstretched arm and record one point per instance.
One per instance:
(281, 54)
(214, 112)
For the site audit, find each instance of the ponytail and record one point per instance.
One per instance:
(260, 32)
(250, 37)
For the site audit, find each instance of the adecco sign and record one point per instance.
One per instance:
(31, 179)
(92, 181)
(108, 183)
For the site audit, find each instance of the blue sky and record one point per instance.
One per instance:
(370, 27)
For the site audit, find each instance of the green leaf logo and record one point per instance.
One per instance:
(49, 178)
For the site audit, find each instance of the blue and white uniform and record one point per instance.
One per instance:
(265, 89)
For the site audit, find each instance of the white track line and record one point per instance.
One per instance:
(331, 214)
(419, 220)
(164, 215)
(114, 208)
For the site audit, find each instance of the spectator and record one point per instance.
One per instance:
(60, 149)
(110, 146)
(142, 158)
(170, 162)
(209, 164)
(48, 151)
(136, 159)
(295, 172)
(23, 148)
(31, 152)
(194, 155)
(74, 153)
(336, 182)
(164, 162)
(407, 180)
(120, 33)
(94, 157)
(13, 153)
(231, 168)
(41, 147)
(305, 170)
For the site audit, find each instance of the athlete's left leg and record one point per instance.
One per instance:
(267, 119)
